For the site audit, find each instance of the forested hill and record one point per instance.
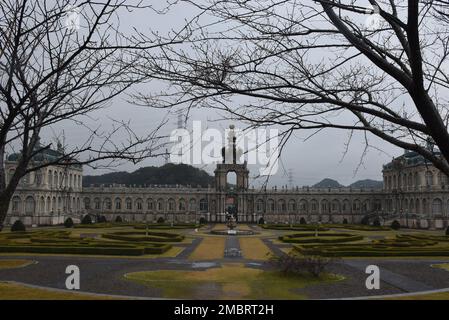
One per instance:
(169, 174)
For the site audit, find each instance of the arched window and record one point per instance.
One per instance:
(160, 205)
(356, 205)
(282, 206)
(346, 206)
(97, 204)
(55, 179)
(139, 204)
(129, 204)
(50, 178)
(417, 180)
(29, 205)
(192, 205)
(437, 207)
(270, 205)
(429, 178)
(53, 204)
(182, 205)
(259, 205)
(171, 205)
(366, 206)
(118, 204)
(48, 204)
(314, 206)
(335, 206)
(303, 206)
(16, 207)
(291, 205)
(107, 204)
(87, 203)
(204, 205)
(150, 204)
(325, 206)
(42, 205)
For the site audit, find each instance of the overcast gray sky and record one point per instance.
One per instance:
(319, 157)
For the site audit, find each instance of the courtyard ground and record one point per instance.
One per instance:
(197, 268)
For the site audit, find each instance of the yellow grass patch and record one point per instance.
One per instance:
(12, 291)
(254, 248)
(429, 296)
(18, 263)
(210, 248)
(231, 281)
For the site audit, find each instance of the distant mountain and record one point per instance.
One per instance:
(169, 174)
(367, 184)
(327, 183)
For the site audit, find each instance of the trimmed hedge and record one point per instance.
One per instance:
(68, 223)
(18, 226)
(141, 236)
(321, 238)
(59, 242)
(167, 226)
(401, 246)
(136, 251)
(295, 227)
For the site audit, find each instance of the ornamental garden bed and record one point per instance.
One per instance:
(294, 227)
(60, 242)
(320, 237)
(152, 236)
(400, 246)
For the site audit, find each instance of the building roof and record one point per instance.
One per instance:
(409, 159)
(45, 155)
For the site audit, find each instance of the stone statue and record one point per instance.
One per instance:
(231, 152)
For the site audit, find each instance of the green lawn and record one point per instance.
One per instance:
(231, 281)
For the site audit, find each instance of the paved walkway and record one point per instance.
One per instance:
(232, 248)
(397, 280)
(190, 248)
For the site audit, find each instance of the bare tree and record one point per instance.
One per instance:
(375, 67)
(59, 62)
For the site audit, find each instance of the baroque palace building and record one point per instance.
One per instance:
(415, 193)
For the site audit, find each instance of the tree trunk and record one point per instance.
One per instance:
(434, 123)
(2, 181)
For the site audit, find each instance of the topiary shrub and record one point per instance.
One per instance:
(68, 223)
(203, 220)
(18, 226)
(86, 219)
(161, 220)
(345, 221)
(365, 220)
(261, 221)
(118, 219)
(447, 231)
(102, 219)
(302, 221)
(376, 223)
(395, 225)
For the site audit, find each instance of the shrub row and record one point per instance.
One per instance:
(151, 238)
(372, 252)
(121, 251)
(299, 227)
(321, 238)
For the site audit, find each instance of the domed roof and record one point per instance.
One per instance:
(45, 155)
